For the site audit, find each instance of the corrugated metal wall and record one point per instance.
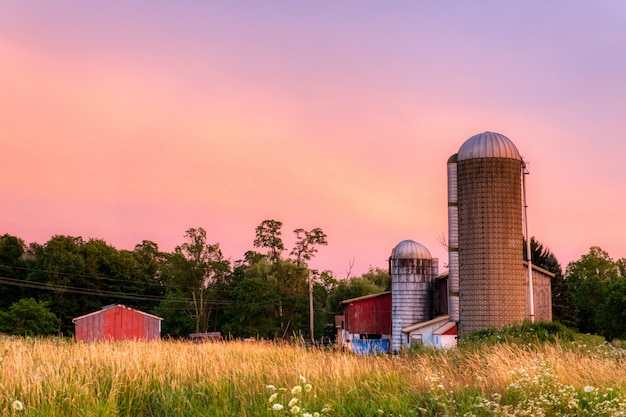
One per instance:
(369, 316)
(412, 282)
(118, 323)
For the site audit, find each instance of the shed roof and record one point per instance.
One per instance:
(105, 308)
(417, 326)
(443, 329)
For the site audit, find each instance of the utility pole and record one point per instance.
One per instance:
(531, 300)
(311, 307)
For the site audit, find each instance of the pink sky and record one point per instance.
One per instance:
(136, 120)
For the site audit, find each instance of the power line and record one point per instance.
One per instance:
(96, 293)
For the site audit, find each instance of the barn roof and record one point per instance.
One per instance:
(74, 320)
(365, 297)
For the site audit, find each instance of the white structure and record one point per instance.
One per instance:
(439, 332)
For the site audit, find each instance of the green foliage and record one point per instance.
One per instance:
(62, 264)
(379, 277)
(12, 265)
(28, 317)
(592, 279)
(352, 288)
(523, 334)
(195, 271)
(268, 236)
(306, 242)
(252, 312)
(611, 317)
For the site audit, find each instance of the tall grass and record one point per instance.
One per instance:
(171, 378)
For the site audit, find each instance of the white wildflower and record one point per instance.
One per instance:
(302, 379)
(308, 387)
(17, 405)
(316, 414)
(273, 397)
(307, 415)
(588, 388)
(295, 409)
(271, 387)
(293, 402)
(296, 390)
(277, 407)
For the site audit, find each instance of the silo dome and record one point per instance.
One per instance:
(409, 249)
(488, 145)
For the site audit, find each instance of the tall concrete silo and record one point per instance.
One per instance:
(413, 271)
(490, 235)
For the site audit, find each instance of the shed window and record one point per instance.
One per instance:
(416, 340)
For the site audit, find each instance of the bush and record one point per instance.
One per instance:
(28, 317)
(523, 333)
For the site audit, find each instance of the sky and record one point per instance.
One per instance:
(136, 120)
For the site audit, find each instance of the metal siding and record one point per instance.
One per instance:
(369, 316)
(90, 328)
(452, 306)
(411, 288)
(118, 323)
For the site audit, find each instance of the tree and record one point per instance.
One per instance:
(28, 317)
(611, 317)
(12, 265)
(195, 268)
(148, 271)
(588, 279)
(254, 300)
(59, 263)
(306, 244)
(268, 235)
(380, 277)
(347, 289)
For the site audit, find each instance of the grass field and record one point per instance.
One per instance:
(47, 377)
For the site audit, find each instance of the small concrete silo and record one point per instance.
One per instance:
(490, 234)
(413, 271)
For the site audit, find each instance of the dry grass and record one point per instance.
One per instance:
(175, 378)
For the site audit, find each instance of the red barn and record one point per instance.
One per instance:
(367, 323)
(117, 322)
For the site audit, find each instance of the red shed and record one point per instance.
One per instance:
(117, 322)
(368, 315)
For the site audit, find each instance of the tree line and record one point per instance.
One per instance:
(265, 294)
(193, 288)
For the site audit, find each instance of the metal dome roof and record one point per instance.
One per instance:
(488, 145)
(409, 249)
